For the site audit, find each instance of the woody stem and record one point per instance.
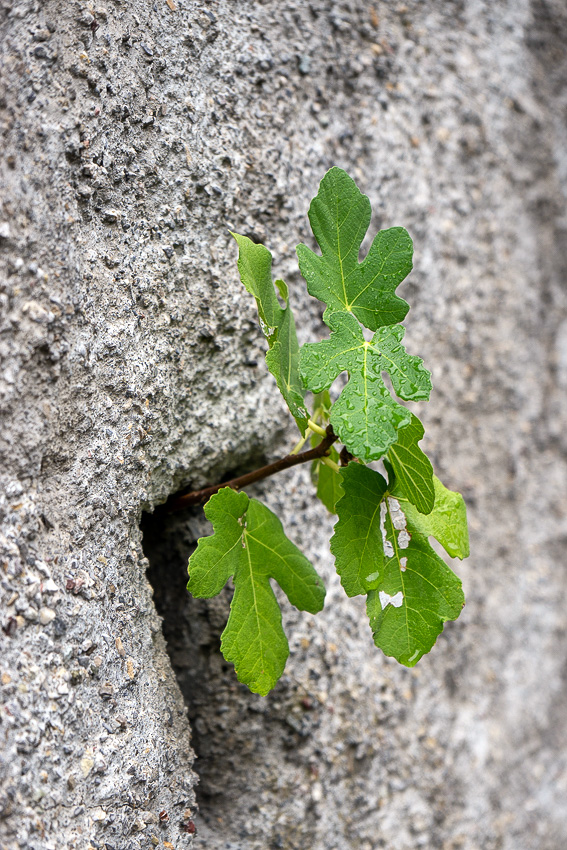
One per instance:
(196, 497)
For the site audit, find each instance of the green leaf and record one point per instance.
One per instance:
(340, 216)
(249, 543)
(328, 482)
(283, 360)
(412, 467)
(447, 522)
(277, 323)
(418, 592)
(365, 416)
(381, 548)
(357, 542)
(255, 268)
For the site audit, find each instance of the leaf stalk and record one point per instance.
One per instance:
(331, 464)
(316, 428)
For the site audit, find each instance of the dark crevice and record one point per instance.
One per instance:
(191, 627)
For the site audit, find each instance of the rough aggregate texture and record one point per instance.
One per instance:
(134, 135)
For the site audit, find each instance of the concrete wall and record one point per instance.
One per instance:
(134, 136)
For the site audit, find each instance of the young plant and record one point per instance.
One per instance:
(381, 539)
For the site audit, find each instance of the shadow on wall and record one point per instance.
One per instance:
(242, 741)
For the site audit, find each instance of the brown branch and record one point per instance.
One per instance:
(196, 497)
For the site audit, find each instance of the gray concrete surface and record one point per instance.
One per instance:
(134, 135)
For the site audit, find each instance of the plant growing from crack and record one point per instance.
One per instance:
(381, 539)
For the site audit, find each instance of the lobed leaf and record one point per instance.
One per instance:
(412, 467)
(249, 543)
(277, 323)
(339, 217)
(381, 548)
(357, 540)
(417, 594)
(365, 416)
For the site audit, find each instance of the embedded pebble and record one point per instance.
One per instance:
(87, 764)
(46, 615)
(98, 815)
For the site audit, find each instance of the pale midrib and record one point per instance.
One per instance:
(370, 525)
(340, 258)
(289, 355)
(366, 397)
(255, 605)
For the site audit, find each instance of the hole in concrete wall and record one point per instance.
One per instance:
(191, 627)
(246, 745)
